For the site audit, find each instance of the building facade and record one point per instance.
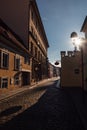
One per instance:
(53, 71)
(15, 68)
(84, 48)
(71, 69)
(16, 15)
(38, 44)
(23, 17)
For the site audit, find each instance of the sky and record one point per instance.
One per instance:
(60, 18)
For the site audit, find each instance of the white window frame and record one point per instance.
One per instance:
(2, 59)
(2, 81)
(17, 67)
(17, 80)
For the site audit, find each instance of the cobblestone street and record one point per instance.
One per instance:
(44, 108)
(17, 104)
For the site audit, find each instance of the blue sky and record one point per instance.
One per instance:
(60, 18)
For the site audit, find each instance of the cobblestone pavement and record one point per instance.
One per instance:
(51, 109)
(19, 103)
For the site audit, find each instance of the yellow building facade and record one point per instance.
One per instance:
(71, 70)
(25, 39)
(15, 59)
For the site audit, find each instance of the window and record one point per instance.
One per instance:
(32, 48)
(76, 71)
(27, 60)
(4, 82)
(38, 55)
(17, 62)
(4, 60)
(35, 52)
(32, 15)
(16, 80)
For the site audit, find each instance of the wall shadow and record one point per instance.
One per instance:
(35, 117)
(10, 111)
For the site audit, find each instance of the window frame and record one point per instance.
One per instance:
(6, 61)
(27, 60)
(77, 71)
(16, 80)
(4, 82)
(16, 62)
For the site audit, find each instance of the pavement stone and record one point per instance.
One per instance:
(58, 109)
(55, 110)
(79, 98)
(9, 93)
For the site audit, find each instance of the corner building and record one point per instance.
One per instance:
(15, 59)
(23, 17)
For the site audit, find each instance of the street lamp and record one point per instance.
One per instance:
(77, 42)
(57, 63)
